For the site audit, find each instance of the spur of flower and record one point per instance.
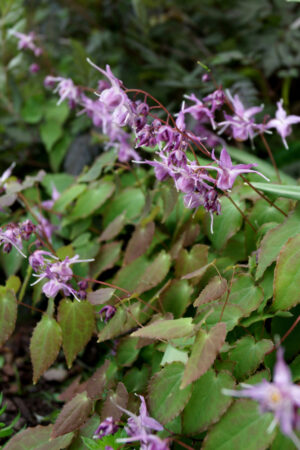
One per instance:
(280, 397)
(57, 273)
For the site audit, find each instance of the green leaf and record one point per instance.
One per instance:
(282, 442)
(245, 294)
(176, 297)
(91, 200)
(58, 152)
(228, 223)
(214, 290)
(204, 351)
(57, 113)
(106, 258)
(38, 438)
(172, 354)
(275, 239)
(95, 171)
(11, 262)
(279, 190)
(67, 197)
(188, 262)
(154, 273)
(44, 345)
(207, 403)
(166, 399)
(51, 132)
(248, 355)
(229, 314)
(32, 111)
(287, 276)
(242, 427)
(77, 321)
(73, 415)
(8, 314)
(166, 329)
(129, 202)
(127, 351)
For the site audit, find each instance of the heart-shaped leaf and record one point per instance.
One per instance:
(77, 321)
(44, 345)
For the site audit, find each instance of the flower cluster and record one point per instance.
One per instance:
(139, 428)
(114, 110)
(281, 397)
(57, 273)
(13, 234)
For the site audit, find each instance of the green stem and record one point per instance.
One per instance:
(50, 307)
(25, 282)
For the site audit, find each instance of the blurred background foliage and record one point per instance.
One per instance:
(253, 48)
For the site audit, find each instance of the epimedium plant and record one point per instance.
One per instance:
(185, 274)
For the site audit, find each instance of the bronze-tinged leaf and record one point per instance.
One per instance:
(38, 438)
(44, 345)
(106, 258)
(204, 352)
(155, 273)
(97, 382)
(139, 242)
(77, 321)
(120, 398)
(188, 262)
(73, 415)
(213, 291)
(113, 229)
(8, 314)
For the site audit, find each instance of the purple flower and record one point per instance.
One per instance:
(58, 273)
(109, 311)
(26, 41)
(13, 235)
(66, 89)
(227, 173)
(242, 123)
(199, 110)
(281, 397)
(108, 426)
(283, 123)
(48, 204)
(34, 68)
(37, 260)
(11, 238)
(139, 429)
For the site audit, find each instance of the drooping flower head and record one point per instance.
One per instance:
(281, 397)
(283, 122)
